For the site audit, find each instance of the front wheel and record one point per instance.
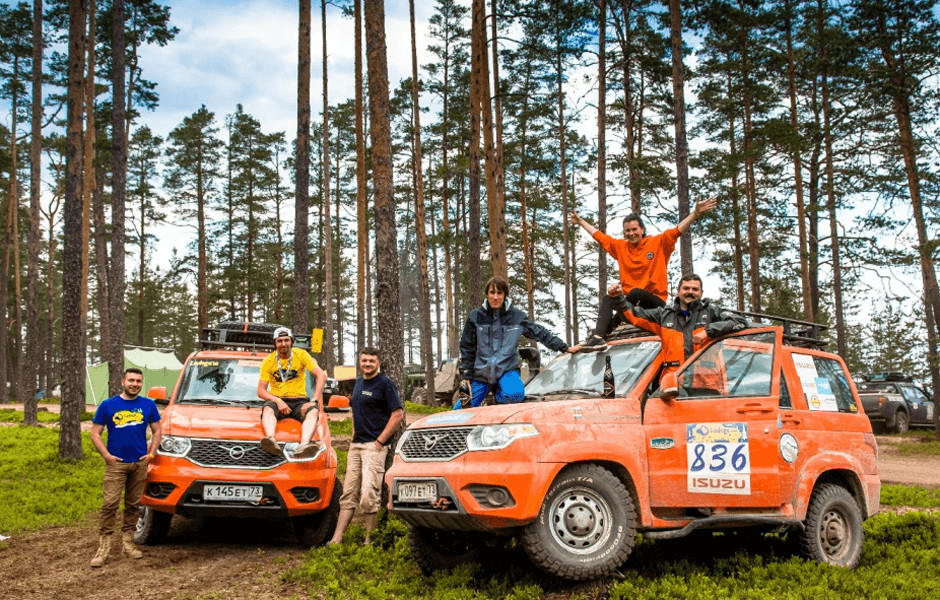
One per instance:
(435, 549)
(316, 529)
(833, 527)
(586, 527)
(902, 422)
(152, 526)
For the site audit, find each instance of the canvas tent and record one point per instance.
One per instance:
(160, 367)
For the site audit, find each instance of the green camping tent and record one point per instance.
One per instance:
(160, 367)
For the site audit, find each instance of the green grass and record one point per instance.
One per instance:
(903, 495)
(424, 409)
(9, 415)
(343, 427)
(37, 488)
(919, 442)
(716, 568)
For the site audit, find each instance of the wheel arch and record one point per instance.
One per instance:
(846, 478)
(621, 472)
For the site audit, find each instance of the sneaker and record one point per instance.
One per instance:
(593, 344)
(308, 450)
(270, 446)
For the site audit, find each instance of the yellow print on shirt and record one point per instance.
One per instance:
(126, 418)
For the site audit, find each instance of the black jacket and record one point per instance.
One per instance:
(490, 339)
(700, 314)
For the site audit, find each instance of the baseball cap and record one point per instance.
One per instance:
(282, 331)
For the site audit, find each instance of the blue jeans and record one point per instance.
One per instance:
(508, 390)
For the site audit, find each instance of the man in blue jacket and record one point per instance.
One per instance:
(489, 354)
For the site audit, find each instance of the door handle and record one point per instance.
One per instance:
(753, 407)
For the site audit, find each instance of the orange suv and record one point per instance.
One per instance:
(759, 429)
(210, 462)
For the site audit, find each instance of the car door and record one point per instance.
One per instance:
(716, 443)
(917, 402)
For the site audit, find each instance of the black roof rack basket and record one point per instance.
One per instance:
(246, 336)
(802, 334)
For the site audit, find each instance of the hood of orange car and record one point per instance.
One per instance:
(225, 422)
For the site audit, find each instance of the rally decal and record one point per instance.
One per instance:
(719, 458)
(817, 390)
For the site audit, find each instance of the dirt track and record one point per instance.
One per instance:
(212, 559)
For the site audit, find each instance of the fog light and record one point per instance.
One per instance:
(492, 496)
(497, 496)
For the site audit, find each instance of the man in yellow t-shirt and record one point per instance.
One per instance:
(285, 370)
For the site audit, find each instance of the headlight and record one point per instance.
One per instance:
(291, 447)
(494, 437)
(174, 446)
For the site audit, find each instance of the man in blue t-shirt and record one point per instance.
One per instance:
(377, 412)
(126, 457)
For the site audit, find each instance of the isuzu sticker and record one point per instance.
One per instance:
(449, 418)
(719, 458)
(816, 389)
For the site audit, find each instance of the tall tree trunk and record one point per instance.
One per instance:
(738, 247)
(797, 167)
(362, 238)
(477, 52)
(602, 139)
(682, 145)
(89, 180)
(116, 289)
(300, 309)
(34, 348)
(101, 263)
(565, 209)
(527, 254)
(386, 237)
(327, 227)
(495, 199)
(73, 338)
(421, 236)
(7, 246)
(750, 186)
(452, 323)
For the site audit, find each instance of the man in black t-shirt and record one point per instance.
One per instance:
(376, 411)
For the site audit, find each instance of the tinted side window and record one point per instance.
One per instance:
(785, 400)
(737, 366)
(824, 384)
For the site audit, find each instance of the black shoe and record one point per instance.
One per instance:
(593, 344)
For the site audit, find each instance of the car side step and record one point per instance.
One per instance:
(717, 521)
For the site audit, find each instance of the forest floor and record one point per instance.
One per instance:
(213, 559)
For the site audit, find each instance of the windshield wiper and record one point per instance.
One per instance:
(224, 401)
(570, 391)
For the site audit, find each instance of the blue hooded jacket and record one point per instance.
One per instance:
(490, 339)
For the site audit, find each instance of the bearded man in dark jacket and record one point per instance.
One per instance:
(489, 354)
(684, 325)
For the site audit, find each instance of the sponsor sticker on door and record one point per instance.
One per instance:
(719, 458)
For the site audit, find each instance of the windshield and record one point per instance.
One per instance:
(220, 381)
(582, 374)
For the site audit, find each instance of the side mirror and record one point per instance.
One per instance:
(668, 387)
(158, 394)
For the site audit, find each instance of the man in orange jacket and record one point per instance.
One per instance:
(642, 260)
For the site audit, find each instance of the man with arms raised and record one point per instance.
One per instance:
(285, 370)
(642, 260)
(126, 457)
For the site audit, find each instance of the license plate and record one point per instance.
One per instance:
(233, 493)
(426, 491)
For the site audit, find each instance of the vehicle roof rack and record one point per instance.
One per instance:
(802, 334)
(249, 337)
(626, 331)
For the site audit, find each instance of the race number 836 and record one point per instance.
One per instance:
(719, 457)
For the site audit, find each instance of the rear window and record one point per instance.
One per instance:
(877, 386)
(825, 384)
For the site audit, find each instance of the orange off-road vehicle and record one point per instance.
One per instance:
(210, 462)
(759, 429)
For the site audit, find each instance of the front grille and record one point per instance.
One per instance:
(232, 454)
(445, 443)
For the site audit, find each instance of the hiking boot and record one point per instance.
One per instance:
(104, 546)
(270, 446)
(308, 450)
(130, 549)
(593, 344)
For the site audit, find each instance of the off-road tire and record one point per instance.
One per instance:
(316, 529)
(586, 527)
(436, 549)
(152, 526)
(902, 422)
(833, 527)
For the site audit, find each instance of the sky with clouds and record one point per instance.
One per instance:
(245, 51)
